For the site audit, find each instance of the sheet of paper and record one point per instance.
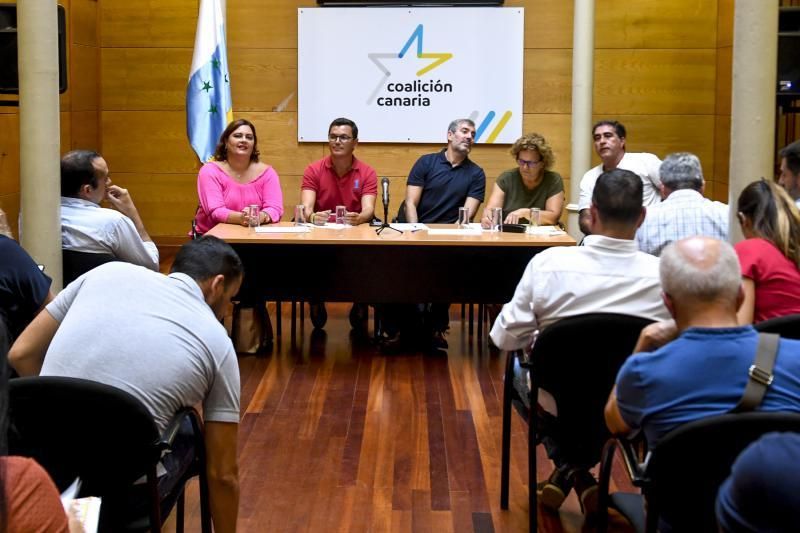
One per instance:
(407, 226)
(462, 232)
(547, 230)
(331, 225)
(282, 229)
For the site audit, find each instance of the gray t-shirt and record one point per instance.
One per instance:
(151, 335)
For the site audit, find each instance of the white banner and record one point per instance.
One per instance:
(402, 74)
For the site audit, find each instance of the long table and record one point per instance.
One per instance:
(357, 265)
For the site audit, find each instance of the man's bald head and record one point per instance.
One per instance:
(702, 270)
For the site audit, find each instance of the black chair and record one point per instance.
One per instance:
(787, 326)
(77, 428)
(76, 263)
(680, 477)
(576, 360)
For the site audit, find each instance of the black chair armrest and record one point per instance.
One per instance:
(174, 426)
(631, 452)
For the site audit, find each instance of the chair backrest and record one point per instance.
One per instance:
(689, 464)
(787, 326)
(79, 428)
(576, 360)
(77, 263)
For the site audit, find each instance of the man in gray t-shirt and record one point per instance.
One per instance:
(158, 338)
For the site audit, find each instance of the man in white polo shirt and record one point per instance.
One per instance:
(609, 143)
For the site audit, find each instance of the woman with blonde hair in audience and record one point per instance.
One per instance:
(770, 254)
(235, 179)
(531, 184)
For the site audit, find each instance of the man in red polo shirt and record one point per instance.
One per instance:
(339, 179)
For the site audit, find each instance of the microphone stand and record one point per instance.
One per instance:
(385, 223)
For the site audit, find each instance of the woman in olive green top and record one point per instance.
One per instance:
(531, 184)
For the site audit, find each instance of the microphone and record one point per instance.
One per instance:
(385, 187)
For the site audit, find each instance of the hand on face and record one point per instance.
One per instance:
(120, 199)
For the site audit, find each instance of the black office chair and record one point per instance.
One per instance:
(787, 326)
(77, 428)
(681, 476)
(576, 360)
(76, 263)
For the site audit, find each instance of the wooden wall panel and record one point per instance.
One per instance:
(148, 23)
(548, 23)
(264, 23)
(83, 69)
(654, 81)
(724, 23)
(147, 142)
(547, 82)
(9, 153)
(650, 24)
(724, 80)
(722, 150)
(83, 21)
(264, 79)
(144, 78)
(84, 132)
(171, 209)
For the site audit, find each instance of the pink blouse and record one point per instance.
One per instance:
(220, 195)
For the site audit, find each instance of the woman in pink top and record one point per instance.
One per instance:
(770, 253)
(235, 179)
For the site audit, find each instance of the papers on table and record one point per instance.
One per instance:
(547, 231)
(408, 226)
(82, 512)
(282, 229)
(456, 231)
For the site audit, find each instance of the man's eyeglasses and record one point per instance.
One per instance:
(528, 164)
(339, 138)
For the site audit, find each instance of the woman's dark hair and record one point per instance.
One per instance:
(773, 215)
(221, 151)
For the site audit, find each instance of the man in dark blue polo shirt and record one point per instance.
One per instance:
(437, 186)
(442, 182)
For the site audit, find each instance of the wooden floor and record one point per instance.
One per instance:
(335, 436)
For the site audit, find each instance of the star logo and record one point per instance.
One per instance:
(212, 109)
(215, 63)
(206, 86)
(378, 59)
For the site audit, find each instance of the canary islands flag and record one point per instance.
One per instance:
(208, 95)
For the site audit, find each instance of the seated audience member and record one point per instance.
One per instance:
(608, 274)
(87, 227)
(532, 184)
(770, 253)
(438, 184)
(761, 492)
(24, 288)
(609, 143)
(684, 212)
(161, 341)
(790, 171)
(235, 179)
(29, 500)
(702, 372)
(339, 179)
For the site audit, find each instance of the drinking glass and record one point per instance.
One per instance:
(253, 216)
(534, 218)
(299, 214)
(497, 218)
(341, 211)
(463, 218)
